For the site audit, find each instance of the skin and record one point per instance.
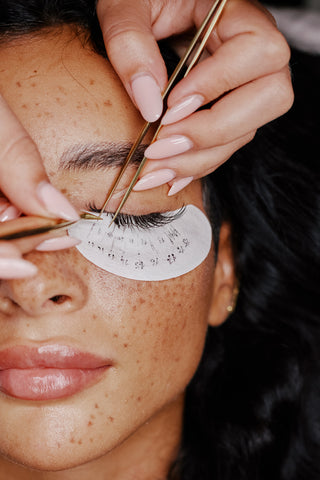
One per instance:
(128, 425)
(258, 91)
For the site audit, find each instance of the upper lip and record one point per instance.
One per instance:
(49, 356)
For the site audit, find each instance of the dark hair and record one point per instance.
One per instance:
(252, 409)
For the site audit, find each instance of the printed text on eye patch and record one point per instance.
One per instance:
(153, 254)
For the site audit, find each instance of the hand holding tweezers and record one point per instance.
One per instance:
(10, 230)
(205, 29)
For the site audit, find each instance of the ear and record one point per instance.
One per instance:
(225, 281)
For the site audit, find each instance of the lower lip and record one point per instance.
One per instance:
(47, 383)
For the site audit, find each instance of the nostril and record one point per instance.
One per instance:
(59, 299)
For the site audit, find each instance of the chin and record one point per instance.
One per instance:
(46, 460)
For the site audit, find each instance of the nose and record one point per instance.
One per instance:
(57, 287)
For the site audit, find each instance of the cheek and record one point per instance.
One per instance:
(159, 328)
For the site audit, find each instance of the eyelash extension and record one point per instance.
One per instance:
(142, 222)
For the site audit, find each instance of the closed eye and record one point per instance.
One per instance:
(142, 222)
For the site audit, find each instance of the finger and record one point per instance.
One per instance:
(246, 46)
(7, 210)
(52, 240)
(241, 111)
(134, 53)
(12, 265)
(192, 164)
(226, 70)
(22, 176)
(9, 213)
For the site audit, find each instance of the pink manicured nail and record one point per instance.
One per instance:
(182, 109)
(154, 179)
(147, 95)
(179, 185)
(9, 214)
(16, 268)
(58, 243)
(55, 202)
(168, 147)
(4, 204)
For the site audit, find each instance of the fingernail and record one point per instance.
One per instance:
(55, 202)
(182, 109)
(9, 214)
(16, 268)
(4, 204)
(147, 95)
(168, 147)
(58, 243)
(154, 179)
(179, 185)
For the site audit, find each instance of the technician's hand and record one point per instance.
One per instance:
(24, 187)
(12, 262)
(247, 74)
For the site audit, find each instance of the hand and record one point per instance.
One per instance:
(247, 74)
(25, 188)
(12, 263)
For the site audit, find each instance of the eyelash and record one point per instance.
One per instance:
(142, 222)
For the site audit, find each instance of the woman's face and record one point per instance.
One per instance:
(149, 334)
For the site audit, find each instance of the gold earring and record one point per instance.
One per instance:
(231, 307)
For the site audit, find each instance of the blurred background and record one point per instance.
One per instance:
(295, 3)
(299, 21)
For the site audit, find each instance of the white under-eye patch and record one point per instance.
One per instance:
(151, 254)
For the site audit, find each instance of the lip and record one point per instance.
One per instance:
(48, 372)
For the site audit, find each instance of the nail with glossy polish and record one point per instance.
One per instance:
(147, 95)
(178, 185)
(57, 243)
(55, 202)
(182, 109)
(168, 147)
(154, 179)
(9, 213)
(16, 268)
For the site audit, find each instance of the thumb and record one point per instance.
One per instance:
(23, 180)
(134, 53)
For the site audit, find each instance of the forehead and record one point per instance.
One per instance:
(59, 88)
(65, 95)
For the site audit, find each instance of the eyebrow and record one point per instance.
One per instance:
(98, 156)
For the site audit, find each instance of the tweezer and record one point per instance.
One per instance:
(14, 229)
(207, 26)
(196, 47)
